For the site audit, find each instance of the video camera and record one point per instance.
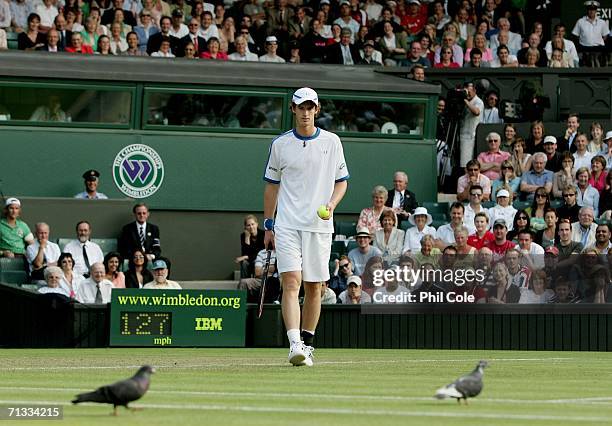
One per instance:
(455, 103)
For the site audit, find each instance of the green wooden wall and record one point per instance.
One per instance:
(203, 171)
(34, 322)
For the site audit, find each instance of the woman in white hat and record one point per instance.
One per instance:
(421, 220)
(503, 209)
(389, 239)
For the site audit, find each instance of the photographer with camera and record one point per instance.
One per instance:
(472, 116)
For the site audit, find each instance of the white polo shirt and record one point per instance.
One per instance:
(306, 168)
(51, 254)
(590, 33)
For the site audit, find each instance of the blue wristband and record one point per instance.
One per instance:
(268, 224)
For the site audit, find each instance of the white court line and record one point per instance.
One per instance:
(577, 401)
(346, 411)
(275, 364)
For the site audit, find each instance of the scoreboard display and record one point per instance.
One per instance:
(177, 317)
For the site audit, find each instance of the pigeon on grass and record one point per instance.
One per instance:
(464, 387)
(120, 393)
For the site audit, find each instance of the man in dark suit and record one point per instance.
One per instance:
(63, 34)
(156, 39)
(193, 37)
(109, 15)
(52, 43)
(400, 199)
(343, 52)
(566, 142)
(140, 234)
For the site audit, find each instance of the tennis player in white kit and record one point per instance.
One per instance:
(305, 170)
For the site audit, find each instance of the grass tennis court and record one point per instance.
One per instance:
(345, 387)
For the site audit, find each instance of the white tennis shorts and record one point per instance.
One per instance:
(303, 251)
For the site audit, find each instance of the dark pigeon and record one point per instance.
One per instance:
(120, 393)
(464, 387)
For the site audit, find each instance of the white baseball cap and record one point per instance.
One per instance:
(305, 94)
(503, 193)
(608, 135)
(12, 200)
(550, 139)
(354, 279)
(271, 39)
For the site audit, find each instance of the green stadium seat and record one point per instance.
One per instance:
(405, 225)
(555, 204)
(338, 247)
(348, 229)
(438, 223)
(13, 277)
(11, 39)
(332, 267)
(488, 204)
(351, 246)
(435, 207)
(106, 244)
(61, 242)
(440, 217)
(521, 205)
(12, 264)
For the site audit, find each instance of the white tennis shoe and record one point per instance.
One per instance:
(308, 361)
(297, 355)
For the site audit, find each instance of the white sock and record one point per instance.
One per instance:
(294, 336)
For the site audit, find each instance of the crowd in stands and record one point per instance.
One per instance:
(80, 270)
(524, 249)
(427, 33)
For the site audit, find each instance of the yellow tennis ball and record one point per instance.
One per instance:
(323, 212)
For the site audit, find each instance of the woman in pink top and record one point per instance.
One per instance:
(370, 216)
(598, 173)
(112, 262)
(481, 43)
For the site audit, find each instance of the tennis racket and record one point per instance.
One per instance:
(264, 279)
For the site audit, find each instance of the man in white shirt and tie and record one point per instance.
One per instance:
(140, 234)
(96, 289)
(84, 252)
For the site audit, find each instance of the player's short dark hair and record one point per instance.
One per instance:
(475, 51)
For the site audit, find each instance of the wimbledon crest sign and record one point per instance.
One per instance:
(138, 171)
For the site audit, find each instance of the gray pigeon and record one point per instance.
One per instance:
(120, 393)
(464, 387)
